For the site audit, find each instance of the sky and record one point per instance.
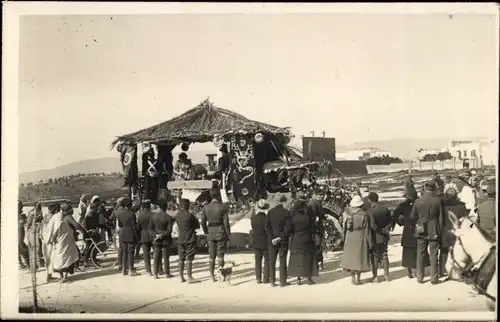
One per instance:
(83, 80)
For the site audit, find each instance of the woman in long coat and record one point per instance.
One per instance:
(302, 245)
(358, 241)
(401, 216)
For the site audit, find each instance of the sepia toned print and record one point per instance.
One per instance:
(266, 164)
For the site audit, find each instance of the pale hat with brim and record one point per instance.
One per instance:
(262, 205)
(356, 202)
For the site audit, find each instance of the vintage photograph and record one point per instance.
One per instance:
(252, 159)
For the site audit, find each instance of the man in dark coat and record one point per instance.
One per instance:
(23, 251)
(33, 226)
(128, 234)
(439, 184)
(315, 206)
(144, 216)
(380, 224)
(409, 187)
(215, 224)
(428, 211)
(260, 242)
(187, 224)
(160, 226)
(278, 227)
(486, 211)
(451, 205)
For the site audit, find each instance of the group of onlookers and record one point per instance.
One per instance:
(276, 231)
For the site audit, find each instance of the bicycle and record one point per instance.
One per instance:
(101, 253)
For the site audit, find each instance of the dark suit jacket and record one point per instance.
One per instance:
(380, 219)
(127, 223)
(187, 224)
(278, 224)
(161, 224)
(455, 206)
(143, 218)
(487, 216)
(259, 234)
(428, 210)
(215, 221)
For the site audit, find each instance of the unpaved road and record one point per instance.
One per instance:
(108, 291)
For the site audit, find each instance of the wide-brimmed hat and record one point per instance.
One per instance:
(356, 202)
(450, 193)
(262, 204)
(94, 198)
(280, 198)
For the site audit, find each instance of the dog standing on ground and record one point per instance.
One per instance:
(224, 273)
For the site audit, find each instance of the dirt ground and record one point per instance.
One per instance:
(107, 291)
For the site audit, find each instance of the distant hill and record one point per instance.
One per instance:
(102, 165)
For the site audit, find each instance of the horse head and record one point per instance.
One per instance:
(469, 247)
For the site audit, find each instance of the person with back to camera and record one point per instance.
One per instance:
(215, 224)
(428, 211)
(144, 216)
(128, 234)
(380, 223)
(187, 224)
(278, 232)
(160, 226)
(260, 242)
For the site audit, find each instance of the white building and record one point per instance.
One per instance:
(361, 154)
(478, 153)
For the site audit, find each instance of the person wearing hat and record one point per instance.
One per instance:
(128, 234)
(303, 246)
(449, 184)
(380, 224)
(93, 221)
(23, 250)
(278, 231)
(46, 246)
(358, 241)
(61, 233)
(451, 205)
(439, 184)
(260, 242)
(315, 206)
(215, 224)
(487, 210)
(161, 227)
(401, 216)
(144, 216)
(409, 187)
(188, 224)
(428, 212)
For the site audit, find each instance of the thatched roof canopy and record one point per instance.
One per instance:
(200, 124)
(294, 161)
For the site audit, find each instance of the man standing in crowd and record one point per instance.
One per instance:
(161, 227)
(187, 224)
(144, 216)
(33, 229)
(428, 211)
(23, 251)
(380, 224)
(215, 223)
(128, 235)
(486, 211)
(409, 187)
(278, 230)
(92, 222)
(439, 184)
